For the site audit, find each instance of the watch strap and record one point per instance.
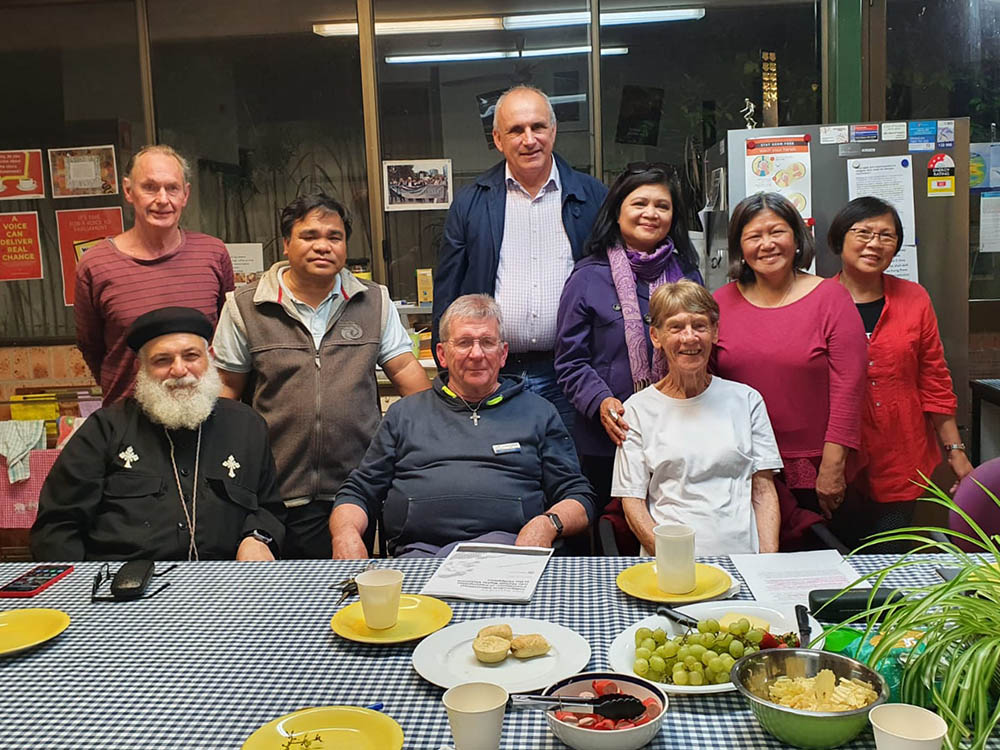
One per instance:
(555, 522)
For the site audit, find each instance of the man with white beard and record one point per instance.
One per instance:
(174, 473)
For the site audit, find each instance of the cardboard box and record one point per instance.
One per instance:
(425, 285)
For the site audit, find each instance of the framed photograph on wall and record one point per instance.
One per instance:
(83, 171)
(416, 184)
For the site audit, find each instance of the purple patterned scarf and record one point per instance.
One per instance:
(627, 267)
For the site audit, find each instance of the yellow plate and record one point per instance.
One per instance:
(418, 616)
(640, 581)
(24, 628)
(328, 728)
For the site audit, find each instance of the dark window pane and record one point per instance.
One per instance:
(73, 81)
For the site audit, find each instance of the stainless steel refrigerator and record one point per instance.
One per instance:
(938, 156)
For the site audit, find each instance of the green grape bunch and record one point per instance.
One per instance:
(702, 656)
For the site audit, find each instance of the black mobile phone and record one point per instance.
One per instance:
(35, 580)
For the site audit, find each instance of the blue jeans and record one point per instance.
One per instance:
(540, 377)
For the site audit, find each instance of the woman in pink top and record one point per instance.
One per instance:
(797, 339)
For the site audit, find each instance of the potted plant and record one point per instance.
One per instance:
(955, 665)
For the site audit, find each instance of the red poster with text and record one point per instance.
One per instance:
(79, 230)
(20, 247)
(21, 175)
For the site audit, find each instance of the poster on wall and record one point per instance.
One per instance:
(781, 164)
(891, 179)
(248, 261)
(21, 175)
(20, 247)
(83, 171)
(416, 184)
(639, 116)
(79, 229)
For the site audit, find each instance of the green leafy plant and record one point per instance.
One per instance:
(954, 665)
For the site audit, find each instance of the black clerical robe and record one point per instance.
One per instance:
(112, 493)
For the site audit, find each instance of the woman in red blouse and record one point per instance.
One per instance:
(909, 402)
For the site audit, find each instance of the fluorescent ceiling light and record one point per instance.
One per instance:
(501, 54)
(579, 18)
(388, 28)
(512, 23)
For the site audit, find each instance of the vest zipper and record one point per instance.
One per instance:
(318, 429)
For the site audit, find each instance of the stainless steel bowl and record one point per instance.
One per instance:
(753, 674)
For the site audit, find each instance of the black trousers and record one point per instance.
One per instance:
(307, 532)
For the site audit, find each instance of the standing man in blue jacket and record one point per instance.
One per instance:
(515, 234)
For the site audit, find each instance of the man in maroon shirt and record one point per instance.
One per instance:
(152, 265)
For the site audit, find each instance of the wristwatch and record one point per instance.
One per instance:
(264, 538)
(555, 522)
(955, 447)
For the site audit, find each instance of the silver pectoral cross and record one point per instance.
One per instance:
(232, 464)
(128, 456)
(475, 418)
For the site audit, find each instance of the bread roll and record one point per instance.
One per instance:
(527, 646)
(491, 649)
(501, 631)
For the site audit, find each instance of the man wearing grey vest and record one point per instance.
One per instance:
(305, 339)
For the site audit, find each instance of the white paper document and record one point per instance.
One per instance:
(891, 179)
(989, 223)
(489, 573)
(788, 577)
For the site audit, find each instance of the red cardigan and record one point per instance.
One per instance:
(908, 379)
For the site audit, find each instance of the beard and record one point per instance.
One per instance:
(178, 403)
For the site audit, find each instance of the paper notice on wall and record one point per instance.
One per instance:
(781, 164)
(21, 175)
(78, 230)
(20, 247)
(248, 261)
(891, 179)
(989, 223)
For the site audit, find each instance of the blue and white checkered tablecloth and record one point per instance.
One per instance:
(230, 646)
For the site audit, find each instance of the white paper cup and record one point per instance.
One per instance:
(674, 558)
(379, 592)
(475, 712)
(900, 726)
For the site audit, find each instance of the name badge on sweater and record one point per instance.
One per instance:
(501, 448)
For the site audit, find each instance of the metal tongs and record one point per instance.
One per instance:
(611, 706)
(349, 586)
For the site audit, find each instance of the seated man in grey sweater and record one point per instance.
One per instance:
(478, 456)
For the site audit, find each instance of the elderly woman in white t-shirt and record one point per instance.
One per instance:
(699, 449)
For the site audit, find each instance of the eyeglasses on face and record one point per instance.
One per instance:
(487, 344)
(866, 236)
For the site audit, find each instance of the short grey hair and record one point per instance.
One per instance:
(163, 149)
(524, 87)
(471, 307)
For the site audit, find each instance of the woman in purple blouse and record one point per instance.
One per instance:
(603, 353)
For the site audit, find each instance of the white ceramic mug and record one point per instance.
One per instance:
(379, 592)
(674, 558)
(900, 726)
(28, 184)
(475, 712)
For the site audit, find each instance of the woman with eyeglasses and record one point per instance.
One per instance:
(909, 402)
(797, 339)
(603, 353)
